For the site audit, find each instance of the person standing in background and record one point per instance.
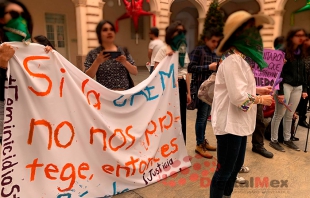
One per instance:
(154, 46)
(203, 62)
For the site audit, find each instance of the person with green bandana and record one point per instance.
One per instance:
(15, 25)
(235, 96)
(176, 42)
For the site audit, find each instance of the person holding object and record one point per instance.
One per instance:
(108, 62)
(176, 42)
(234, 104)
(293, 85)
(203, 64)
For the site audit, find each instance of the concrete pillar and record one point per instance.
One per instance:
(81, 25)
(278, 23)
(201, 22)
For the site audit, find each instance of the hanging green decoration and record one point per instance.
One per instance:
(305, 8)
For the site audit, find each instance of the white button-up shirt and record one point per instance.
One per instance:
(232, 110)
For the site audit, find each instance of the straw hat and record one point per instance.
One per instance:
(238, 18)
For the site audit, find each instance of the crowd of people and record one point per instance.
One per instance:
(238, 105)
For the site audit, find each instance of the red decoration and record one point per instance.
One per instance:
(134, 11)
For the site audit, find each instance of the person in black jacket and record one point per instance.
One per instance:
(293, 85)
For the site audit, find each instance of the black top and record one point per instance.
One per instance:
(294, 74)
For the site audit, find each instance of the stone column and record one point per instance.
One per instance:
(101, 5)
(81, 25)
(278, 23)
(201, 22)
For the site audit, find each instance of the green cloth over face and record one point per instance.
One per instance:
(250, 43)
(179, 44)
(17, 30)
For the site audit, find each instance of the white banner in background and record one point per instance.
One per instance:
(66, 136)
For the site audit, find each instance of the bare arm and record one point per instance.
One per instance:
(149, 55)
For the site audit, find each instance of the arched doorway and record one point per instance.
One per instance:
(187, 13)
(301, 20)
(231, 6)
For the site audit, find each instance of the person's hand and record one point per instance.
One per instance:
(101, 58)
(266, 100)
(6, 53)
(188, 98)
(48, 49)
(284, 61)
(304, 95)
(122, 59)
(170, 53)
(281, 99)
(267, 90)
(213, 66)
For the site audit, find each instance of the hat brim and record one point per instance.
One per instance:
(260, 19)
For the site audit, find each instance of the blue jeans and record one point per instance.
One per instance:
(230, 158)
(203, 112)
(151, 69)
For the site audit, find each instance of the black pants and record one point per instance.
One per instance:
(183, 101)
(258, 134)
(302, 109)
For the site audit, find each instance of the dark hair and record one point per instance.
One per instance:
(289, 45)
(26, 15)
(99, 27)
(171, 29)
(154, 31)
(233, 36)
(278, 41)
(210, 33)
(43, 41)
(307, 49)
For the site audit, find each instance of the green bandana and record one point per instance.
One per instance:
(17, 30)
(179, 44)
(250, 43)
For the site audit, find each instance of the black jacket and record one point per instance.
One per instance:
(294, 74)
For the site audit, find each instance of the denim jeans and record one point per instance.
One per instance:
(230, 158)
(292, 96)
(151, 69)
(203, 112)
(258, 134)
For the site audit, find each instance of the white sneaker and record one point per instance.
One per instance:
(240, 180)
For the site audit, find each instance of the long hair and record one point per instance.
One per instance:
(289, 45)
(43, 41)
(26, 15)
(99, 28)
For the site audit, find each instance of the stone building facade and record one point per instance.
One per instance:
(70, 24)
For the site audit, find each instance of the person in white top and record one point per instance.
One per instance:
(154, 46)
(176, 41)
(234, 103)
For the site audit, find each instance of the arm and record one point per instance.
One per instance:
(6, 53)
(161, 54)
(195, 61)
(151, 47)
(149, 54)
(237, 83)
(91, 65)
(128, 63)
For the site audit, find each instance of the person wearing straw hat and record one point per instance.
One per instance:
(235, 96)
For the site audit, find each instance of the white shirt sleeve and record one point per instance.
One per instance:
(161, 54)
(152, 45)
(235, 75)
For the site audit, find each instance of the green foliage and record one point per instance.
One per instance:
(214, 20)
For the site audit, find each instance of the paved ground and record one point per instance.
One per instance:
(287, 173)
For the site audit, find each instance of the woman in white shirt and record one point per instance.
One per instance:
(233, 108)
(176, 41)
